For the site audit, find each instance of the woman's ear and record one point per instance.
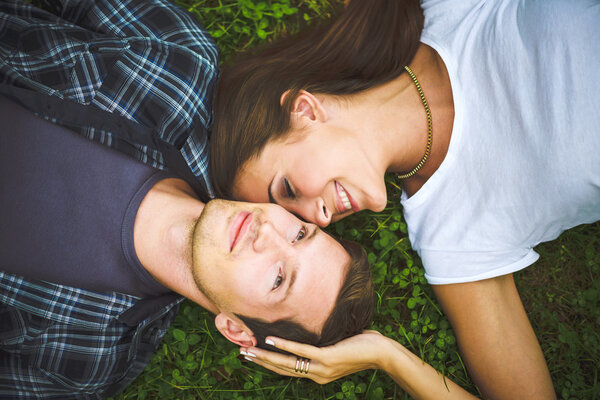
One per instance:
(306, 107)
(235, 330)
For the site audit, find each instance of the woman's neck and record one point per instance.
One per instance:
(401, 119)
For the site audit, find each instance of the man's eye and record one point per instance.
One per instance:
(278, 281)
(301, 234)
(288, 189)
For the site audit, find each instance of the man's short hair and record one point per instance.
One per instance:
(352, 313)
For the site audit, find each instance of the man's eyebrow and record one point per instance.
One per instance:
(313, 234)
(289, 288)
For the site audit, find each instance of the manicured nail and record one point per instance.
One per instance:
(248, 359)
(247, 353)
(270, 342)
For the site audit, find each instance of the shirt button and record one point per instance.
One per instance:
(92, 48)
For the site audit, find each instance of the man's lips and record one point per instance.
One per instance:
(239, 227)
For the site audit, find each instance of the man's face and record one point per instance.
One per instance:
(260, 261)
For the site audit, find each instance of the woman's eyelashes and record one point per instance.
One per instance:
(287, 190)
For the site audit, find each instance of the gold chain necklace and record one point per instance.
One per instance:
(429, 128)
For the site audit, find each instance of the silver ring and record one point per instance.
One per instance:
(297, 364)
(307, 365)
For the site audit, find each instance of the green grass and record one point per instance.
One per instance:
(561, 292)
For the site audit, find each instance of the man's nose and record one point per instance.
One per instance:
(266, 236)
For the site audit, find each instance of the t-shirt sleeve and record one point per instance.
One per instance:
(446, 267)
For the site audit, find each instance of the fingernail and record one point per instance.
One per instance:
(270, 342)
(248, 359)
(247, 353)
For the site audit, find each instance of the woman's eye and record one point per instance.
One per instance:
(288, 189)
(278, 281)
(301, 234)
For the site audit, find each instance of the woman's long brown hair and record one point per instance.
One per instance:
(368, 45)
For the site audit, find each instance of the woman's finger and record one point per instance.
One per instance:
(298, 365)
(287, 372)
(271, 357)
(272, 367)
(300, 349)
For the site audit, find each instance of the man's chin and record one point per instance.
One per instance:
(208, 219)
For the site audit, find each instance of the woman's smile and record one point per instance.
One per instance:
(344, 201)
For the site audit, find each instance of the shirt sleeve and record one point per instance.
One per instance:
(157, 19)
(448, 267)
(148, 61)
(69, 10)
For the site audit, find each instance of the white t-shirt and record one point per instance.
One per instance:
(524, 158)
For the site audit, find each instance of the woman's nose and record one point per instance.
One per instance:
(322, 214)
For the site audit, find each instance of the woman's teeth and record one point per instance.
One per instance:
(344, 198)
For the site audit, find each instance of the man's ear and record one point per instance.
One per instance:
(235, 331)
(306, 107)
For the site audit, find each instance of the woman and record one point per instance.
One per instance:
(492, 128)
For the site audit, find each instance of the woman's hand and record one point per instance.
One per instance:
(368, 350)
(363, 351)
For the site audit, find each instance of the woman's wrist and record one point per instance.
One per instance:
(390, 352)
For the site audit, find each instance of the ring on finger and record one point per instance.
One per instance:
(307, 365)
(302, 365)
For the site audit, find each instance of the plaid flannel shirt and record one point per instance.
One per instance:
(59, 342)
(133, 75)
(123, 67)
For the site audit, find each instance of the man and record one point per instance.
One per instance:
(137, 76)
(102, 69)
(82, 215)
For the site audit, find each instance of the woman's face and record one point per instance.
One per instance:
(321, 176)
